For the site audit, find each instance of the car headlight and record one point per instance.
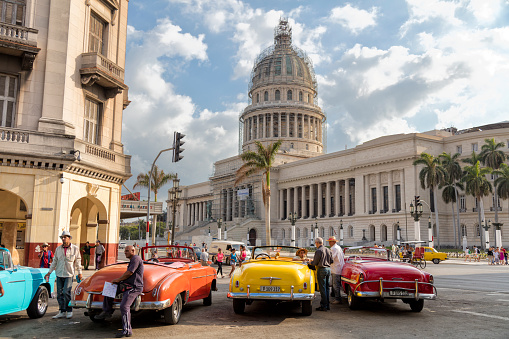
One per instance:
(361, 277)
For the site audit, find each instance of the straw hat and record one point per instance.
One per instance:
(301, 250)
(66, 234)
(333, 238)
(45, 244)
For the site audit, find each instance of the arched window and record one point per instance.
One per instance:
(257, 97)
(350, 231)
(278, 95)
(297, 233)
(306, 235)
(307, 147)
(266, 96)
(477, 229)
(331, 232)
(309, 98)
(300, 96)
(322, 232)
(291, 145)
(289, 95)
(383, 233)
(463, 230)
(283, 233)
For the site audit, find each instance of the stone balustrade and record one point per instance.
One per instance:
(26, 35)
(99, 61)
(12, 135)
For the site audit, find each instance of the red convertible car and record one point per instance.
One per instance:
(368, 273)
(171, 279)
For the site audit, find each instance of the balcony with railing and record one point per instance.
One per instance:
(97, 69)
(19, 41)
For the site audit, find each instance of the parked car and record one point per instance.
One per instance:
(429, 253)
(272, 274)
(170, 281)
(197, 251)
(225, 246)
(121, 245)
(24, 287)
(367, 274)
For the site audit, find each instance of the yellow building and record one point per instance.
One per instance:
(62, 95)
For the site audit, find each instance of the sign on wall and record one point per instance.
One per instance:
(135, 196)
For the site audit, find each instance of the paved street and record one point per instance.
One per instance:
(472, 302)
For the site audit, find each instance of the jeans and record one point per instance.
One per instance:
(86, 260)
(64, 286)
(219, 267)
(336, 286)
(128, 298)
(322, 277)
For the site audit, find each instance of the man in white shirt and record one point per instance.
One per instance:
(338, 258)
(204, 257)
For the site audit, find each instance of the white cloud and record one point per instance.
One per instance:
(353, 18)
(485, 11)
(425, 11)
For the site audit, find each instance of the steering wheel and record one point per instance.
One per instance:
(262, 255)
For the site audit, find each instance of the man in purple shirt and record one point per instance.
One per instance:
(132, 279)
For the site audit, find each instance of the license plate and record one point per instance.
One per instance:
(270, 288)
(398, 293)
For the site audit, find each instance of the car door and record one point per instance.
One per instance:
(13, 282)
(198, 280)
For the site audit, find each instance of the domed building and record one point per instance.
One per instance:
(283, 93)
(361, 195)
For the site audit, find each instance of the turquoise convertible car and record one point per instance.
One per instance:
(24, 287)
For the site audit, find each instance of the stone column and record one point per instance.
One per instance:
(264, 125)
(378, 193)
(390, 188)
(403, 190)
(320, 199)
(327, 199)
(304, 207)
(279, 125)
(367, 194)
(228, 205)
(288, 202)
(347, 196)
(311, 201)
(287, 124)
(336, 197)
(281, 205)
(271, 134)
(296, 126)
(296, 200)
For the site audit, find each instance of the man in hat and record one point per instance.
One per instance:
(66, 261)
(338, 261)
(301, 255)
(322, 261)
(46, 256)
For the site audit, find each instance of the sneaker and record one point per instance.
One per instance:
(335, 301)
(103, 316)
(59, 315)
(69, 315)
(122, 334)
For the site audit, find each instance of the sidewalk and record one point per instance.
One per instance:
(460, 261)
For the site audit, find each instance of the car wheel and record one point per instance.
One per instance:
(239, 305)
(39, 303)
(436, 261)
(172, 313)
(417, 305)
(208, 300)
(92, 314)
(353, 301)
(307, 307)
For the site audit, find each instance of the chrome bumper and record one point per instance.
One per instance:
(137, 305)
(386, 295)
(383, 292)
(273, 296)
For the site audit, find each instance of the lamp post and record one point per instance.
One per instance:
(416, 213)
(174, 198)
(498, 233)
(486, 233)
(209, 231)
(430, 233)
(364, 235)
(316, 228)
(341, 232)
(219, 222)
(292, 217)
(225, 232)
(247, 238)
(398, 235)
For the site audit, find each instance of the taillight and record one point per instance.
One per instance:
(237, 283)
(431, 280)
(305, 285)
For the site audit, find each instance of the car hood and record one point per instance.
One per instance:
(288, 272)
(374, 270)
(152, 275)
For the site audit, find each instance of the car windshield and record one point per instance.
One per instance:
(169, 252)
(274, 252)
(365, 253)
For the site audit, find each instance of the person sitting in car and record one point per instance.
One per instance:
(301, 255)
(407, 253)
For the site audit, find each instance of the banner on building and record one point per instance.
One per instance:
(243, 194)
(135, 196)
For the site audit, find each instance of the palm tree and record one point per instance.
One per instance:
(451, 165)
(431, 176)
(502, 181)
(492, 156)
(474, 158)
(159, 179)
(478, 186)
(260, 161)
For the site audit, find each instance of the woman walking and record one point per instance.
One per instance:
(243, 254)
(220, 257)
(233, 261)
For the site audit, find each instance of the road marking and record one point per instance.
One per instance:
(482, 315)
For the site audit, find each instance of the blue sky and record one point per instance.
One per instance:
(383, 67)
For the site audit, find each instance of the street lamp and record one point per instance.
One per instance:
(219, 222)
(341, 232)
(209, 231)
(398, 235)
(430, 232)
(416, 213)
(292, 217)
(225, 232)
(486, 227)
(364, 235)
(498, 233)
(316, 228)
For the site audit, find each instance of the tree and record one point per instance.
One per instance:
(453, 168)
(159, 179)
(492, 156)
(474, 158)
(502, 181)
(260, 161)
(478, 186)
(431, 176)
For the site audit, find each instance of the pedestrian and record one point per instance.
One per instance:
(204, 257)
(467, 254)
(130, 284)
(501, 255)
(243, 254)
(338, 261)
(219, 259)
(66, 262)
(233, 261)
(99, 254)
(46, 256)
(505, 255)
(86, 254)
(490, 256)
(322, 261)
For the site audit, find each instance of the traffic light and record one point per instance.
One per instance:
(177, 143)
(417, 200)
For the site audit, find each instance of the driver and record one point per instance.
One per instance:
(301, 255)
(408, 253)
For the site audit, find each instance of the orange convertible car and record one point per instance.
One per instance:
(171, 279)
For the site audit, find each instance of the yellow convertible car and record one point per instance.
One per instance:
(429, 254)
(273, 273)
